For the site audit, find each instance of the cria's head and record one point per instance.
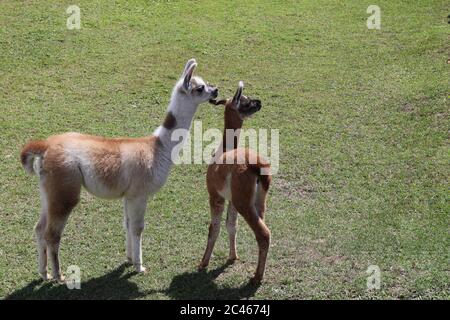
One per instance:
(193, 87)
(245, 106)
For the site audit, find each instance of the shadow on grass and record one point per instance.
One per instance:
(116, 285)
(201, 285)
(113, 285)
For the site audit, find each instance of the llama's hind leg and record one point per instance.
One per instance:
(55, 226)
(231, 224)
(217, 205)
(262, 235)
(243, 191)
(63, 194)
(260, 201)
(39, 231)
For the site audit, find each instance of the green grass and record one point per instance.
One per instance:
(363, 120)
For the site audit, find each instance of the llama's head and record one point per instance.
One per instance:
(240, 104)
(193, 88)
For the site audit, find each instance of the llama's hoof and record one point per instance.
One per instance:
(202, 266)
(255, 281)
(58, 278)
(45, 276)
(129, 261)
(232, 260)
(140, 268)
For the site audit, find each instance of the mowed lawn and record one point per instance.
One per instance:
(363, 120)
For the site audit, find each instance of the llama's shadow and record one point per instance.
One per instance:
(115, 285)
(201, 285)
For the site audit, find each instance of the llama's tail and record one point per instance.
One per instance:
(30, 151)
(262, 170)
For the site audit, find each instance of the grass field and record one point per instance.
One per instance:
(363, 120)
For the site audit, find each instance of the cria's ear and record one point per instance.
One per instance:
(238, 94)
(188, 74)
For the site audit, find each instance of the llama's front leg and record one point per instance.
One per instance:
(135, 209)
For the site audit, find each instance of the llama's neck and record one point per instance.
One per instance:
(175, 128)
(232, 130)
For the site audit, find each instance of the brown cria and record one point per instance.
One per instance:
(242, 177)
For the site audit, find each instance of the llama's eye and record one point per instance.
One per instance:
(200, 89)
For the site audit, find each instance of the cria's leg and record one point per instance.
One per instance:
(217, 206)
(231, 224)
(260, 201)
(262, 235)
(135, 210)
(242, 192)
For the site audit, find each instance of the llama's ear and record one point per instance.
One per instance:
(238, 94)
(187, 74)
(186, 67)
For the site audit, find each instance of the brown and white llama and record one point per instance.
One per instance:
(133, 169)
(242, 177)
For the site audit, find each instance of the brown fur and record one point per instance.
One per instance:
(265, 179)
(232, 121)
(170, 121)
(31, 148)
(108, 165)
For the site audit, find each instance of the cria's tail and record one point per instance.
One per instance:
(31, 150)
(262, 170)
